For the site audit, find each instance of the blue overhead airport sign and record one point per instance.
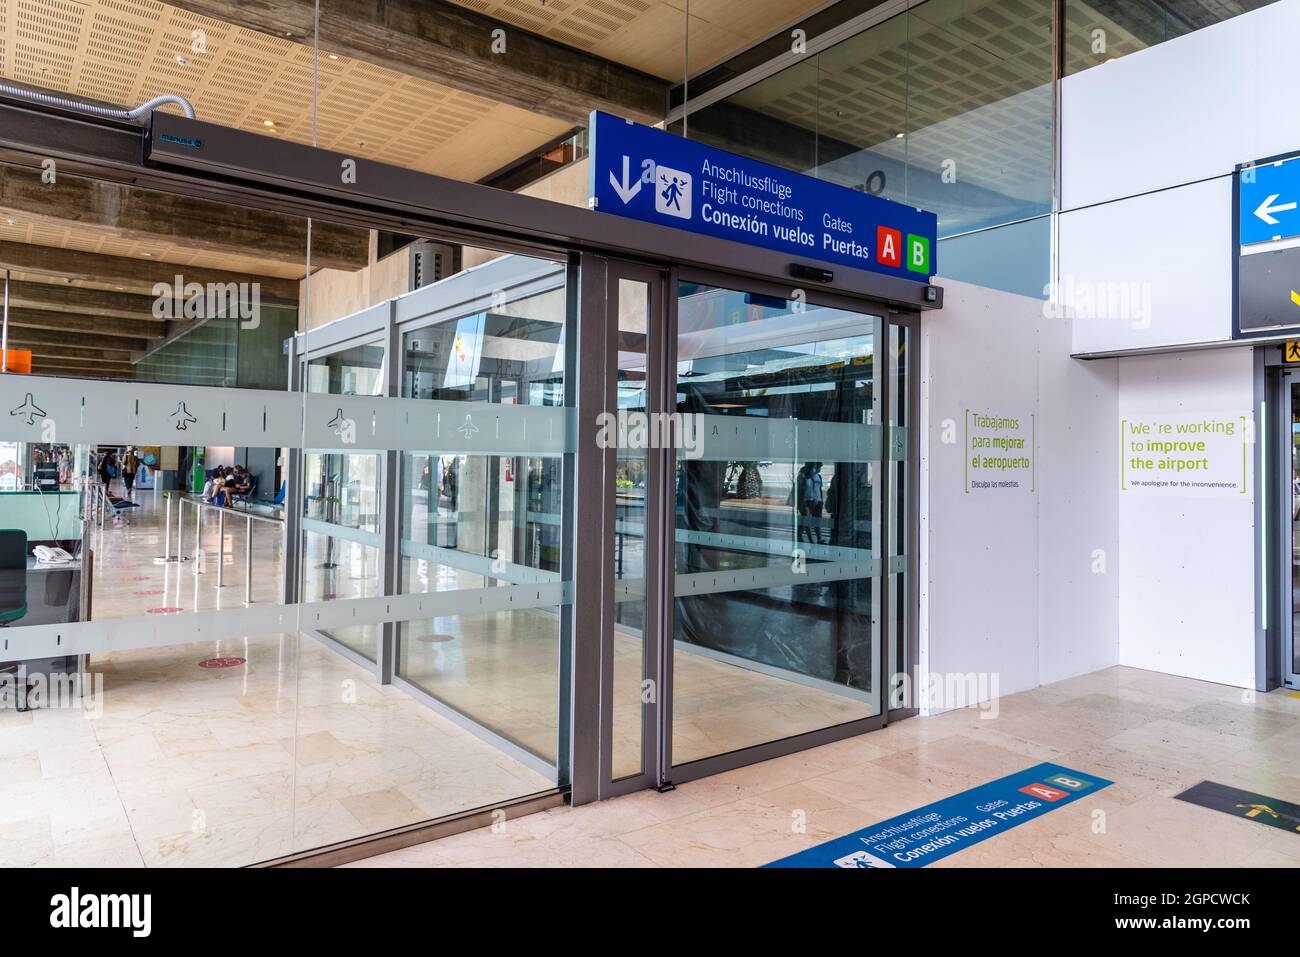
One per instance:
(647, 174)
(1268, 198)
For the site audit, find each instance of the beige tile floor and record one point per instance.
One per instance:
(186, 766)
(502, 668)
(299, 747)
(1152, 734)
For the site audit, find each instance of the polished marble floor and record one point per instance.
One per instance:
(297, 746)
(503, 669)
(294, 748)
(1154, 735)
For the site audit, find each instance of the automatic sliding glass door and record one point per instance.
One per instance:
(1289, 502)
(776, 630)
(759, 496)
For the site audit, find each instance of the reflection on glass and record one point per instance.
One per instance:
(631, 490)
(195, 717)
(947, 106)
(483, 513)
(776, 560)
(1295, 529)
(341, 543)
(343, 489)
(1097, 32)
(355, 371)
(898, 552)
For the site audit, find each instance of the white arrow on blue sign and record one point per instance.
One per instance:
(1269, 194)
(626, 191)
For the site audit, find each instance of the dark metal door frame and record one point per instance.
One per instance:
(1287, 502)
(595, 604)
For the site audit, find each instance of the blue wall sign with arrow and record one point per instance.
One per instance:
(644, 173)
(1270, 193)
(1266, 267)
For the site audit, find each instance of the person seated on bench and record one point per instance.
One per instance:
(242, 485)
(211, 484)
(216, 490)
(222, 496)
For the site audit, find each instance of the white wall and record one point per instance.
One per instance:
(1187, 582)
(1170, 251)
(1175, 117)
(216, 455)
(1183, 110)
(1080, 575)
(1005, 575)
(1078, 509)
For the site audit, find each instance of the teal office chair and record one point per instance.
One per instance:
(13, 575)
(13, 593)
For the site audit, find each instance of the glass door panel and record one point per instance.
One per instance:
(482, 503)
(341, 538)
(898, 554)
(775, 627)
(342, 545)
(1291, 505)
(631, 492)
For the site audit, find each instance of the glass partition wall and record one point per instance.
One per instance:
(341, 540)
(482, 500)
(371, 624)
(391, 640)
(458, 524)
(759, 549)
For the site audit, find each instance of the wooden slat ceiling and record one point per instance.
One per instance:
(93, 239)
(125, 51)
(649, 34)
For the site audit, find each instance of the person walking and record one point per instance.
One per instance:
(809, 500)
(130, 465)
(107, 468)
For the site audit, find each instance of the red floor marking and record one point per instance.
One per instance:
(164, 611)
(137, 578)
(148, 591)
(230, 662)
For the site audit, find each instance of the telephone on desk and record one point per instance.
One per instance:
(46, 555)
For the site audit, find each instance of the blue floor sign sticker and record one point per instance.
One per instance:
(945, 827)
